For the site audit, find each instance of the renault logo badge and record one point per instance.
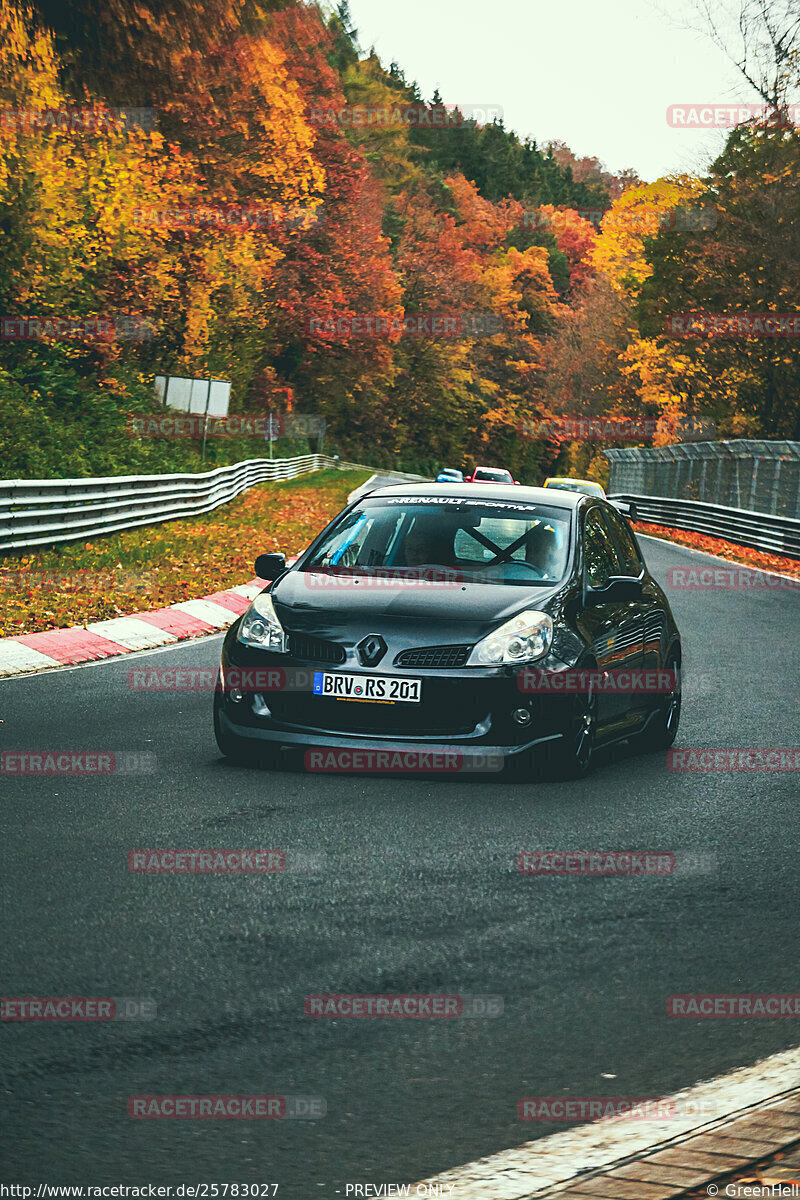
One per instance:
(371, 650)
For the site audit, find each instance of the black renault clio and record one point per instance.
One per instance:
(456, 617)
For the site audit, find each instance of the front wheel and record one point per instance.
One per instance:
(571, 756)
(662, 729)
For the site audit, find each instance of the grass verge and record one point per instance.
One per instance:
(141, 569)
(745, 555)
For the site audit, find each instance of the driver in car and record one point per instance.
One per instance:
(430, 541)
(541, 550)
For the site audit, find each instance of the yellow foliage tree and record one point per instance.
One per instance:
(639, 213)
(89, 216)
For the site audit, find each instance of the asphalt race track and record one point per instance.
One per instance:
(392, 885)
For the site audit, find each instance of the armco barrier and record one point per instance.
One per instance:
(763, 531)
(39, 512)
(753, 474)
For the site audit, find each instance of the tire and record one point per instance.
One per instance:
(662, 728)
(571, 757)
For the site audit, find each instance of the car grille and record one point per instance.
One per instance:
(434, 719)
(434, 656)
(315, 649)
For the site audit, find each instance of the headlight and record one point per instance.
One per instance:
(522, 639)
(261, 627)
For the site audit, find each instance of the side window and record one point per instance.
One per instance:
(599, 554)
(626, 545)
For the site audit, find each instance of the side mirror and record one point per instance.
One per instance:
(270, 566)
(620, 589)
(627, 508)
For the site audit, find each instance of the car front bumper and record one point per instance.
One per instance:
(468, 712)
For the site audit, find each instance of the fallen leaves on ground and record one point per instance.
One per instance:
(138, 570)
(712, 545)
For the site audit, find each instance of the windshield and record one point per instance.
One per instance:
(570, 485)
(483, 541)
(492, 476)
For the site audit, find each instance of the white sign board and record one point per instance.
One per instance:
(191, 395)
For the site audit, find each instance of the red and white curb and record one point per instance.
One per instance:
(121, 635)
(535, 1168)
(30, 652)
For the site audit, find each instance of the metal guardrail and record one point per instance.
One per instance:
(42, 512)
(744, 473)
(762, 531)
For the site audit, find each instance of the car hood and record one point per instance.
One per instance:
(346, 607)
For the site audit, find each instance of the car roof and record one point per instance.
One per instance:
(495, 491)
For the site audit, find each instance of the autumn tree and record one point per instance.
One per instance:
(762, 40)
(749, 263)
(341, 267)
(590, 170)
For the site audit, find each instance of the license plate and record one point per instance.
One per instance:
(376, 689)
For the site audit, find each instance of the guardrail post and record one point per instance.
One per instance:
(754, 483)
(775, 486)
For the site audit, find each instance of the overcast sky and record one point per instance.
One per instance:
(596, 74)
